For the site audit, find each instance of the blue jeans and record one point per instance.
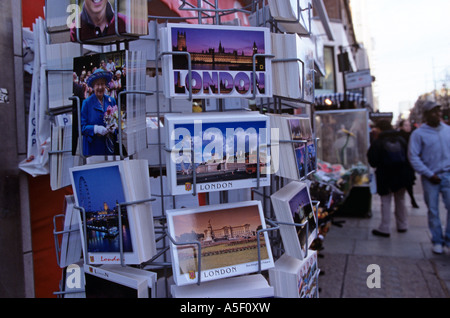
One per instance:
(431, 195)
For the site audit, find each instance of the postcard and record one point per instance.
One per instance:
(302, 211)
(222, 60)
(228, 237)
(292, 206)
(300, 129)
(99, 189)
(222, 149)
(100, 116)
(117, 19)
(294, 278)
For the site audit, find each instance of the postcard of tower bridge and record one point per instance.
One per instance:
(223, 60)
(228, 237)
(225, 151)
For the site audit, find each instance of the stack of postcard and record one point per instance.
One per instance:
(61, 159)
(293, 208)
(247, 286)
(70, 245)
(293, 67)
(225, 61)
(293, 15)
(294, 278)
(60, 77)
(125, 72)
(100, 189)
(106, 21)
(288, 68)
(115, 281)
(296, 149)
(217, 151)
(228, 239)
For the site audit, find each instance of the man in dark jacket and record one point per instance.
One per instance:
(388, 154)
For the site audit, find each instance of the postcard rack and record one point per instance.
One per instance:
(274, 104)
(299, 18)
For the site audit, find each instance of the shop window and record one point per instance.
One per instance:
(327, 84)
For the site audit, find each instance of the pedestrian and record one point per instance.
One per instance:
(429, 154)
(388, 155)
(405, 131)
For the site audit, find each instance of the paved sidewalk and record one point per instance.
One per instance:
(408, 268)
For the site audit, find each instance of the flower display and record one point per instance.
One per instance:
(111, 118)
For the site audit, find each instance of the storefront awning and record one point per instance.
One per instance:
(338, 98)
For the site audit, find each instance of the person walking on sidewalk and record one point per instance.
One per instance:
(429, 154)
(404, 127)
(388, 154)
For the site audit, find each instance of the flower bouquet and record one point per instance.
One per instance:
(111, 120)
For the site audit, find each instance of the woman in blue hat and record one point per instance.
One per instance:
(97, 138)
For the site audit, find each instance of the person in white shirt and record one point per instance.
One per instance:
(429, 155)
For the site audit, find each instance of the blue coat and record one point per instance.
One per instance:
(92, 113)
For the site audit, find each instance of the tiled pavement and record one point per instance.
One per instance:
(407, 267)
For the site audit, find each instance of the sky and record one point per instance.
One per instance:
(412, 48)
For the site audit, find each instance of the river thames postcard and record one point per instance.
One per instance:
(100, 189)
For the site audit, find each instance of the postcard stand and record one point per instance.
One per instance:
(202, 13)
